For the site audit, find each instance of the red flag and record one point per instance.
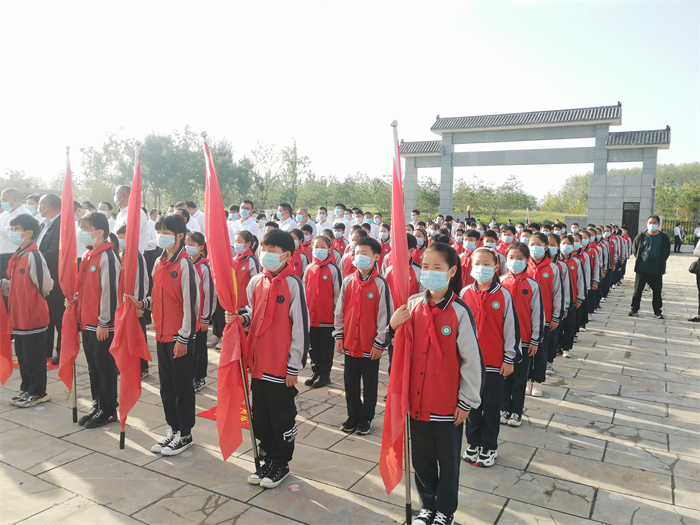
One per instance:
(233, 342)
(68, 280)
(391, 456)
(5, 345)
(129, 346)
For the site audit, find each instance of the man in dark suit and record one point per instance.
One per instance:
(48, 242)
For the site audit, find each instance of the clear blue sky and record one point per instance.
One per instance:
(333, 74)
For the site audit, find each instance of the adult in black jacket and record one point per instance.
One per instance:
(651, 250)
(48, 242)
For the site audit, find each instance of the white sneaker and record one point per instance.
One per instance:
(550, 369)
(471, 454)
(158, 447)
(565, 353)
(218, 345)
(528, 388)
(505, 416)
(583, 328)
(486, 458)
(212, 340)
(425, 517)
(536, 390)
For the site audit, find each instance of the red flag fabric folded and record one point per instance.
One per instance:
(5, 345)
(391, 455)
(233, 344)
(68, 280)
(129, 346)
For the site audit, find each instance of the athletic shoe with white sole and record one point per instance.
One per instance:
(20, 395)
(486, 458)
(550, 369)
(178, 445)
(471, 454)
(566, 353)
(256, 477)
(528, 388)
(443, 519)
(276, 475)
(515, 420)
(29, 401)
(425, 517)
(505, 416)
(158, 447)
(536, 390)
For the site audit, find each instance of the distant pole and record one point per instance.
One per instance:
(469, 212)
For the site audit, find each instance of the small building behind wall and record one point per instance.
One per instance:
(611, 198)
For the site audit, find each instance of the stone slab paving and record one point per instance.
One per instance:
(614, 440)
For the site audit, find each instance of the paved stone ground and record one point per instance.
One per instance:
(615, 439)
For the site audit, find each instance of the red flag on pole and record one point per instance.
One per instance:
(233, 342)
(391, 457)
(129, 346)
(5, 345)
(68, 280)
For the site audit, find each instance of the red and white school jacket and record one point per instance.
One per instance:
(175, 298)
(386, 250)
(447, 368)
(207, 292)
(496, 324)
(592, 253)
(414, 284)
(362, 313)
(29, 282)
(528, 306)
(246, 266)
(547, 275)
(339, 244)
(278, 325)
(306, 246)
(467, 278)
(98, 279)
(346, 265)
(418, 253)
(142, 282)
(566, 285)
(298, 262)
(337, 257)
(459, 247)
(322, 283)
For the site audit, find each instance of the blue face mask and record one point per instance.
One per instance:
(337, 235)
(31, 208)
(245, 213)
(6, 206)
(459, 238)
(491, 245)
(165, 241)
(16, 238)
(651, 227)
(598, 237)
(515, 265)
(419, 241)
(362, 262)
(574, 230)
(481, 233)
(507, 239)
(413, 218)
(300, 218)
(557, 232)
(307, 238)
(320, 253)
(553, 250)
(607, 234)
(434, 280)
(471, 246)
(270, 261)
(85, 237)
(368, 221)
(322, 217)
(191, 250)
(338, 212)
(116, 199)
(279, 215)
(577, 246)
(566, 249)
(384, 235)
(122, 244)
(537, 251)
(585, 242)
(482, 274)
(352, 245)
(238, 247)
(377, 221)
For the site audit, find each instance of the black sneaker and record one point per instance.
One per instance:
(658, 316)
(32, 400)
(144, 374)
(158, 447)
(199, 385)
(87, 417)
(443, 519)
(425, 517)
(322, 381)
(101, 418)
(276, 475)
(364, 426)
(256, 477)
(350, 425)
(56, 360)
(20, 395)
(310, 381)
(178, 445)
(633, 313)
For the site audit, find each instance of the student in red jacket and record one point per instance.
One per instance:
(98, 278)
(322, 282)
(308, 232)
(459, 241)
(278, 336)
(346, 264)
(528, 307)
(361, 316)
(422, 243)
(339, 242)
(507, 237)
(384, 242)
(245, 264)
(445, 381)
(299, 261)
(471, 244)
(196, 248)
(499, 339)
(28, 312)
(174, 304)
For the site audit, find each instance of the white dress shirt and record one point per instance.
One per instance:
(199, 217)
(288, 224)
(313, 227)
(144, 234)
(5, 245)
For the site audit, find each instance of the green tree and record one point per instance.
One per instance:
(266, 165)
(294, 169)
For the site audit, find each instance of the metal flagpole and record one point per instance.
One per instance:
(75, 393)
(256, 453)
(407, 472)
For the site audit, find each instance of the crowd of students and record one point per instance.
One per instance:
(491, 308)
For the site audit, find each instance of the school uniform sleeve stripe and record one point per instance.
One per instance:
(141, 285)
(511, 330)
(337, 277)
(536, 313)
(339, 317)
(250, 289)
(299, 315)
(386, 310)
(471, 380)
(39, 273)
(253, 266)
(580, 282)
(189, 285)
(209, 294)
(557, 298)
(109, 277)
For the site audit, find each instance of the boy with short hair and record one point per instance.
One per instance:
(362, 314)
(277, 320)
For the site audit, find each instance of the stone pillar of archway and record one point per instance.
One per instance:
(446, 175)
(410, 187)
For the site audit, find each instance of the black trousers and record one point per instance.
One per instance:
(176, 388)
(655, 282)
(55, 301)
(567, 331)
(218, 322)
(435, 449)
(274, 418)
(538, 362)
(151, 256)
(582, 314)
(592, 300)
(201, 355)
(623, 270)
(143, 322)
(484, 422)
(102, 370)
(553, 341)
(322, 349)
(361, 373)
(32, 362)
(697, 282)
(677, 242)
(514, 385)
(605, 284)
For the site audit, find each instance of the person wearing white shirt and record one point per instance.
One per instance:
(197, 215)
(11, 206)
(32, 204)
(284, 214)
(415, 218)
(121, 197)
(192, 224)
(374, 233)
(696, 233)
(323, 222)
(340, 215)
(303, 218)
(246, 221)
(105, 208)
(677, 238)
